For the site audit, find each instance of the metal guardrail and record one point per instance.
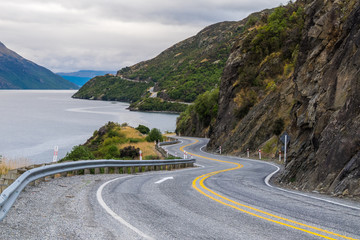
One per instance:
(169, 143)
(10, 194)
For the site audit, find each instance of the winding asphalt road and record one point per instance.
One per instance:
(222, 198)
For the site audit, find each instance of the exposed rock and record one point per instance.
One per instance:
(319, 103)
(325, 152)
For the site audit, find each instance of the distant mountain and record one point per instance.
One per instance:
(17, 72)
(82, 76)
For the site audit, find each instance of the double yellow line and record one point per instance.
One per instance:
(199, 185)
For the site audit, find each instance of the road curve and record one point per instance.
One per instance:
(223, 198)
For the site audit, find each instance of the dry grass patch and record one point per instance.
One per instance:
(9, 164)
(131, 133)
(147, 148)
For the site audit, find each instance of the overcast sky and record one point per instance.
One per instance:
(70, 35)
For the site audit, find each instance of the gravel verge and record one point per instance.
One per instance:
(61, 208)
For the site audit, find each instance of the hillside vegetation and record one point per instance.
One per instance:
(263, 57)
(295, 70)
(114, 141)
(112, 88)
(180, 73)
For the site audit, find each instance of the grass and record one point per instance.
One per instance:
(147, 148)
(9, 164)
(131, 133)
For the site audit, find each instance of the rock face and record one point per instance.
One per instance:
(319, 104)
(325, 152)
(17, 72)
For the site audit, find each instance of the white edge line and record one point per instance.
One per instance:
(268, 177)
(113, 214)
(164, 179)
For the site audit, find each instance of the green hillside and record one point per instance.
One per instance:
(180, 73)
(112, 88)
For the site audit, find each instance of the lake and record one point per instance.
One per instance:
(32, 122)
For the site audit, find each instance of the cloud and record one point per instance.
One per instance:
(68, 35)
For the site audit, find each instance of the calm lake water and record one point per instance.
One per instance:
(32, 122)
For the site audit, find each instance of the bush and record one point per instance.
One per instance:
(129, 152)
(79, 153)
(143, 129)
(112, 152)
(154, 135)
(113, 133)
(278, 126)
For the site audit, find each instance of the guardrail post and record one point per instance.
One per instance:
(116, 170)
(86, 171)
(97, 170)
(106, 170)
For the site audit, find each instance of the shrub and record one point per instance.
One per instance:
(278, 126)
(143, 129)
(113, 152)
(129, 152)
(79, 153)
(113, 133)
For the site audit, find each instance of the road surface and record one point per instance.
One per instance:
(222, 198)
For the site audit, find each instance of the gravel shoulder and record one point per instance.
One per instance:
(61, 208)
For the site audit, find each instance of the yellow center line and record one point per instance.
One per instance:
(200, 181)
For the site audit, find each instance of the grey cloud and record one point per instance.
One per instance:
(68, 35)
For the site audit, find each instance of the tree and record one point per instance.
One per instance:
(154, 135)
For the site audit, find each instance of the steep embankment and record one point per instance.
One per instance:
(17, 72)
(317, 102)
(325, 152)
(255, 76)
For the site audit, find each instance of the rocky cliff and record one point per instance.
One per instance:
(17, 72)
(325, 152)
(316, 101)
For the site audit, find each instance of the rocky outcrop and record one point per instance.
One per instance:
(318, 103)
(325, 152)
